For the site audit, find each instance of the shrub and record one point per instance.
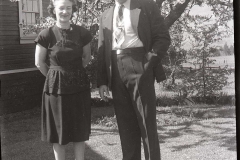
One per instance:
(223, 100)
(166, 101)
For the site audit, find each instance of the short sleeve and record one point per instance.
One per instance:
(85, 36)
(43, 38)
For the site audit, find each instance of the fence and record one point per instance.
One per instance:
(191, 69)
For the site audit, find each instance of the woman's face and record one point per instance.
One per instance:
(63, 10)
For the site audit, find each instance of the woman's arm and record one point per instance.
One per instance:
(40, 59)
(86, 57)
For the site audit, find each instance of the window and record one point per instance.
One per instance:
(29, 13)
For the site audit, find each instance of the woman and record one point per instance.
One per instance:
(62, 52)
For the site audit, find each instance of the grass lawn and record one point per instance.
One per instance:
(186, 133)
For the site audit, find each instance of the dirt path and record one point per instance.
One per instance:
(213, 139)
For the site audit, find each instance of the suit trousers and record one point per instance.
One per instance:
(135, 105)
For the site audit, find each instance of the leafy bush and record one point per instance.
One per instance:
(190, 101)
(166, 101)
(223, 100)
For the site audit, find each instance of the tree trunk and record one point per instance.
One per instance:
(175, 13)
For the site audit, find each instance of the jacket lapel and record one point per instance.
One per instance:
(108, 22)
(134, 14)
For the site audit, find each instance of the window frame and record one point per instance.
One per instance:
(26, 39)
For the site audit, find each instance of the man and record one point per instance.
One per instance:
(132, 41)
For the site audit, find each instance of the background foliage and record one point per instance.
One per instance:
(194, 37)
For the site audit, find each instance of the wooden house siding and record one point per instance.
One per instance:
(20, 89)
(18, 55)
(45, 4)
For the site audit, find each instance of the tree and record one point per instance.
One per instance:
(226, 50)
(231, 50)
(183, 26)
(216, 52)
(206, 80)
(202, 32)
(203, 80)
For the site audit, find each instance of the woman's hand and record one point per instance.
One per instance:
(86, 57)
(40, 59)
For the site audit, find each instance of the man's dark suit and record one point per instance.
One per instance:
(131, 77)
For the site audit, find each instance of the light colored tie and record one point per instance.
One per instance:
(119, 33)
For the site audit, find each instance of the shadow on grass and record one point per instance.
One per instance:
(200, 133)
(20, 133)
(229, 143)
(20, 139)
(169, 134)
(100, 131)
(92, 155)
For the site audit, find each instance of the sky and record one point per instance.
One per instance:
(205, 10)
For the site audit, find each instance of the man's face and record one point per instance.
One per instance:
(121, 1)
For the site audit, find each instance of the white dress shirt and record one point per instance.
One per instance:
(131, 38)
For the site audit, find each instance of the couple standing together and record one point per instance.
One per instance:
(132, 41)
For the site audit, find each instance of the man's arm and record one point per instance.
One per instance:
(101, 70)
(160, 34)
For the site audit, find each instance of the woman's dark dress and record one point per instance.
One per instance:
(66, 111)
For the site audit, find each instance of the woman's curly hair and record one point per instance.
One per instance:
(51, 7)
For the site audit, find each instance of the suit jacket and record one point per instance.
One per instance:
(148, 24)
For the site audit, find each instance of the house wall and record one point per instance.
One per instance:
(14, 55)
(20, 83)
(20, 91)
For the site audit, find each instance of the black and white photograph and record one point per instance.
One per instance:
(118, 79)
